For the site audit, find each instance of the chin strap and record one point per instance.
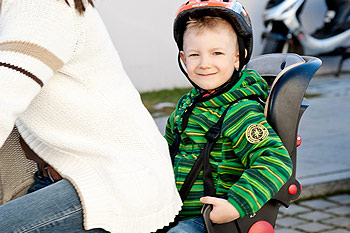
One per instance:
(242, 57)
(184, 71)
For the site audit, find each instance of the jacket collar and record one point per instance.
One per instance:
(250, 83)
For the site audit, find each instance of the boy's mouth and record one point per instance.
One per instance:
(205, 75)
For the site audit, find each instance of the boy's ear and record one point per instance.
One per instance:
(183, 58)
(236, 65)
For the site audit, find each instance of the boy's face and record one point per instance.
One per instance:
(210, 56)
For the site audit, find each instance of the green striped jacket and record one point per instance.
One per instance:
(249, 163)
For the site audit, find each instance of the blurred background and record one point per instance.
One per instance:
(142, 33)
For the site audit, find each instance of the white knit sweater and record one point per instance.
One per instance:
(63, 85)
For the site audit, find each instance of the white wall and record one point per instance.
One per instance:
(142, 33)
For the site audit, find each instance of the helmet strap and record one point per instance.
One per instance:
(185, 72)
(241, 50)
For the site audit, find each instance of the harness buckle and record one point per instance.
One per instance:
(213, 134)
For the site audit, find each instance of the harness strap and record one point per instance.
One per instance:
(175, 146)
(202, 162)
(212, 135)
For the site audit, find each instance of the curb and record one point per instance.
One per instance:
(330, 65)
(324, 189)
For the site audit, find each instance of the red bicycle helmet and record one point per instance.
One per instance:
(230, 10)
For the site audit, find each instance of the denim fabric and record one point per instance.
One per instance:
(40, 182)
(52, 209)
(194, 225)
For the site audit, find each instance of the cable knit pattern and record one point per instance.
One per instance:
(63, 85)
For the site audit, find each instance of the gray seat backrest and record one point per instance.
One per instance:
(272, 64)
(290, 74)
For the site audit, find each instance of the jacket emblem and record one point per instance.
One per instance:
(256, 133)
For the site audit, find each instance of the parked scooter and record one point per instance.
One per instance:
(285, 33)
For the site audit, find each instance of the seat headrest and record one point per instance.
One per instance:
(272, 64)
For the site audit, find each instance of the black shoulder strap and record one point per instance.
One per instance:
(212, 135)
(175, 146)
(202, 162)
(186, 115)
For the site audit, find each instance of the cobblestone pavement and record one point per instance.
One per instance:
(329, 214)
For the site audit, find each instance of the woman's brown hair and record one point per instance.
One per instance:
(79, 5)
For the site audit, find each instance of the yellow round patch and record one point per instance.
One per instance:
(256, 133)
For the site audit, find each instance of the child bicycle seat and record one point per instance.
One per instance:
(288, 76)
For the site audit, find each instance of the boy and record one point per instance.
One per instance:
(248, 163)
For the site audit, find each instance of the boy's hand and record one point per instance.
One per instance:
(222, 212)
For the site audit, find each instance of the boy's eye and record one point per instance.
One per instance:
(193, 55)
(218, 53)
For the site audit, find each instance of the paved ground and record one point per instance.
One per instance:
(324, 156)
(323, 162)
(330, 214)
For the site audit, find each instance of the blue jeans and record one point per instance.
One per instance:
(55, 208)
(194, 225)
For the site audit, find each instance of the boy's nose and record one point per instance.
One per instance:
(205, 63)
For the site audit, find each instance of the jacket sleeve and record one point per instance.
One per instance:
(267, 162)
(36, 39)
(171, 123)
(169, 129)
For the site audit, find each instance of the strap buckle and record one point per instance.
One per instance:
(213, 134)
